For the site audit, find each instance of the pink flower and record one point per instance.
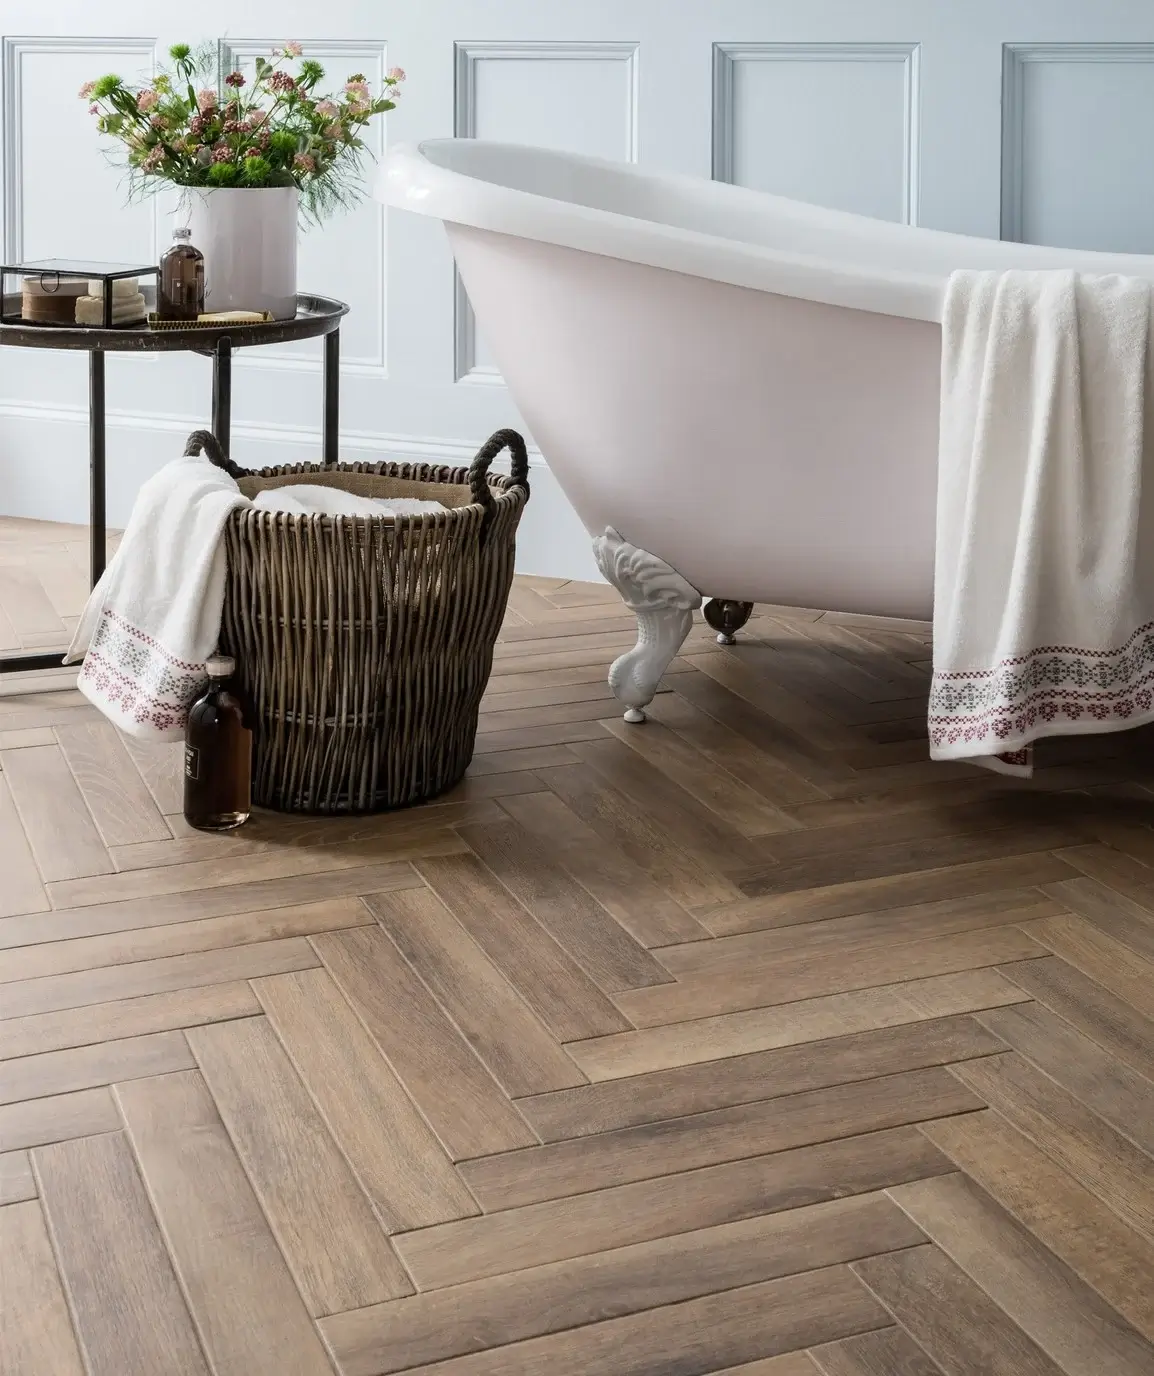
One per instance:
(233, 126)
(85, 92)
(154, 159)
(331, 131)
(234, 79)
(281, 81)
(326, 109)
(396, 73)
(305, 162)
(94, 109)
(257, 118)
(157, 121)
(251, 153)
(146, 100)
(206, 100)
(358, 89)
(292, 49)
(198, 124)
(222, 153)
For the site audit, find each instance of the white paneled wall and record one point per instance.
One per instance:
(1029, 118)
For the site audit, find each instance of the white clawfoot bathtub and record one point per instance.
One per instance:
(737, 392)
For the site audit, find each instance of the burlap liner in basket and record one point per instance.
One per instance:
(365, 643)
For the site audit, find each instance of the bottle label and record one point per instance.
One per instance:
(191, 762)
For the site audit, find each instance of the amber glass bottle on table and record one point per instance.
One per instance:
(218, 753)
(180, 291)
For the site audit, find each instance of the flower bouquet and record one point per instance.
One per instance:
(224, 136)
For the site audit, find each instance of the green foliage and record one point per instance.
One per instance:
(257, 171)
(266, 132)
(284, 143)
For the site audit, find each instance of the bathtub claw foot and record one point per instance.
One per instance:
(727, 618)
(663, 603)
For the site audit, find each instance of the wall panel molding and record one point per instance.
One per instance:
(373, 54)
(467, 55)
(726, 57)
(1016, 57)
(12, 54)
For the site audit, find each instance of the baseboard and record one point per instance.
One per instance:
(44, 471)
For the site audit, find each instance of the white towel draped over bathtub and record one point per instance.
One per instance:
(1044, 580)
(154, 618)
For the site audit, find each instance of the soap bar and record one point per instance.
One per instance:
(230, 317)
(122, 287)
(90, 310)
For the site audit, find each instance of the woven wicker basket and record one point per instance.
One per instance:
(365, 643)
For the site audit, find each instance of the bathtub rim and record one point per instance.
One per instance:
(410, 179)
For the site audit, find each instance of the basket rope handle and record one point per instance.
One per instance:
(204, 441)
(479, 468)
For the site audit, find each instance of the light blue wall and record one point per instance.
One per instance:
(1033, 118)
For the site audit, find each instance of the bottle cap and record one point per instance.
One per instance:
(182, 232)
(220, 666)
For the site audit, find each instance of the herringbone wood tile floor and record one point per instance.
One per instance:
(744, 1041)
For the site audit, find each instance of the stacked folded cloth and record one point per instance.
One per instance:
(128, 304)
(154, 618)
(1044, 581)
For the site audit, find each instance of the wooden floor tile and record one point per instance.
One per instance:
(460, 1098)
(508, 1309)
(56, 820)
(954, 1320)
(102, 1063)
(35, 1331)
(610, 1158)
(133, 1017)
(122, 807)
(322, 1220)
(248, 1313)
(1118, 1172)
(520, 1052)
(130, 1314)
(736, 1326)
(558, 990)
(397, 1159)
(584, 1224)
(699, 1088)
(1042, 1296)
(884, 1352)
(1065, 1216)
(1114, 1024)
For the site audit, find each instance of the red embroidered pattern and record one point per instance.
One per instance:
(1021, 697)
(134, 673)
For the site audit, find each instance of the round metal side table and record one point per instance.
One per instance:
(316, 315)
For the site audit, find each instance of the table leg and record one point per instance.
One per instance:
(331, 399)
(98, 550)
(222, 392)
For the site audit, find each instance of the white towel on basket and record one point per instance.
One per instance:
(154, 617)
(1044, 580)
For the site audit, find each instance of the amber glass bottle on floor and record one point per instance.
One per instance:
(218, 753)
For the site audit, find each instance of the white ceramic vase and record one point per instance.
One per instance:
(249, 242)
